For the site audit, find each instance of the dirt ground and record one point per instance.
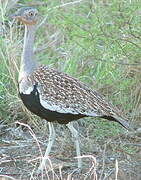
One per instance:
(118, 157)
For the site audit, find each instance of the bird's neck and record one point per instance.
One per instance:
(28, 64)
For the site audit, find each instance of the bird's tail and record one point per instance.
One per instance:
(122, 121)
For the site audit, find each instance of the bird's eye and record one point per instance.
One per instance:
(31, 13)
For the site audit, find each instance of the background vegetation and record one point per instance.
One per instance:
(99, 42)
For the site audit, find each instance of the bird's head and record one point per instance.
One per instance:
(27, 15)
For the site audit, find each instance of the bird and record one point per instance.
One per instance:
(54, 95)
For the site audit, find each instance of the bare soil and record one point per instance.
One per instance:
(117, 157)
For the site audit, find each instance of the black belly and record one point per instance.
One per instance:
(32, 102)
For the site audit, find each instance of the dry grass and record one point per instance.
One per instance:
(104, 50)
(23, 150)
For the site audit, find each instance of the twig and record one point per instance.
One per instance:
(108, 175)
(93, 168)
(103, 164)
(120, 62)
(5, 176)
(59, 6)
(49, 44)
(32, 134)
(11, 4)
(132, 144)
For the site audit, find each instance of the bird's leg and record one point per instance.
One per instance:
(50, 143)
(76, 140)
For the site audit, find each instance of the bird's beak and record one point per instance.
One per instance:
(22, 19)
(14, 17)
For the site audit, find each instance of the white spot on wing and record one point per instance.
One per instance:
(58, 108)
(62, 109)
(50, 105)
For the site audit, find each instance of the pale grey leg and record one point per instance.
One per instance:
(50, 143)
(76, 140)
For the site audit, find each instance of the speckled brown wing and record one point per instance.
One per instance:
(62, 93)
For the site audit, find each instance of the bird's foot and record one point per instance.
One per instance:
(39, 171)
(43, 167)
(74, 172)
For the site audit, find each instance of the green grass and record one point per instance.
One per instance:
(99, 43)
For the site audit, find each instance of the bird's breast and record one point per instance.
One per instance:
(33, 103)
(25, 86)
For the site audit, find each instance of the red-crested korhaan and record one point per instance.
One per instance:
(56, 96)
